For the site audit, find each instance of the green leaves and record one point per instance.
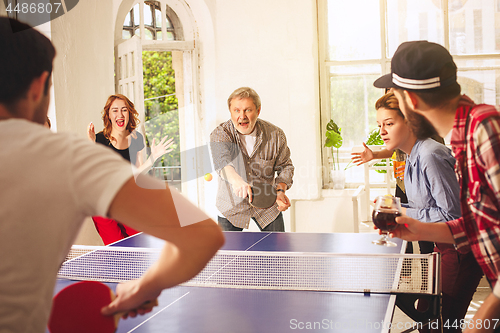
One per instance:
(333, 135)
(159, 83)
(332, 126)
(161, 104)
(333, 139)
(374, 138)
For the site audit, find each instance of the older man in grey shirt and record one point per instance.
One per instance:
(245, 150)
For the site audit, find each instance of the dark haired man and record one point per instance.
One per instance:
(424, 79)
(47, 190)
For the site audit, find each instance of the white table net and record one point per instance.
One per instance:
(391, 273)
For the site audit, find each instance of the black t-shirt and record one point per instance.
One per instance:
(130, 154)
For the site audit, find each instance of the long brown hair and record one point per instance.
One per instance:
(133, 119)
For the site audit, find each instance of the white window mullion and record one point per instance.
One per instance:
(163, 10)
(324, 69)
(383, 31)
(446, 24)
(141, 24)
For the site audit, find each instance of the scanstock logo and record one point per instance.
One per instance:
(36, 12)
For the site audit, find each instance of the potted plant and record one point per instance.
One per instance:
(334, 140)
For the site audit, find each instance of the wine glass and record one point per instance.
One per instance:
(387, 208)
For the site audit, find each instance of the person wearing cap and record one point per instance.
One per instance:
(246, 149)
(424, 79)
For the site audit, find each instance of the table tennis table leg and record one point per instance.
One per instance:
(407, 304)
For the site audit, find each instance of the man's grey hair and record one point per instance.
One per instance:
(244, 92)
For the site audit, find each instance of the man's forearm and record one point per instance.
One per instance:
(414, 230)
(229, 174)
(164, 213)
(181, 261)
(437, 232)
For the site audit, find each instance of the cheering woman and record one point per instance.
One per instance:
(120, 120)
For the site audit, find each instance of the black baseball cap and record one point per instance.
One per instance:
(417, 65)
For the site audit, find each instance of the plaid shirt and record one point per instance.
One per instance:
(270, 156)
(477, 151)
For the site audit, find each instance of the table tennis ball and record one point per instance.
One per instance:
(208, 177)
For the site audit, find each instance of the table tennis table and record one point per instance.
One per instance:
(204, 309)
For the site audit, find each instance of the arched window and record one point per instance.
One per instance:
(131, 23)
(154, 66)
(153, 18)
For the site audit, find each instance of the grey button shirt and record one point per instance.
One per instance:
(269, 162)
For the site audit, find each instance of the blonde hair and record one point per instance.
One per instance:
(245, 92)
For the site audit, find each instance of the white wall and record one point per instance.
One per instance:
(333, 212)
(271, 46)
(83, 68)
(83, 75)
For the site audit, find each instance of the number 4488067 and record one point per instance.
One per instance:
(33, 8)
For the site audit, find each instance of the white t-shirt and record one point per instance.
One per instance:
(248, 141)
(48, 184)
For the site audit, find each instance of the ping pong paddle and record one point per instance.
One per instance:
(263, 195)
(77, 309)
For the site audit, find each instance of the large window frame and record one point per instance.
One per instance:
(186, 74)
(467, 64)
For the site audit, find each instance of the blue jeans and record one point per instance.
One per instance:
(277, 225)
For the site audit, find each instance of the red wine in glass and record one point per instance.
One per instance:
(387, 208)
(385, 219)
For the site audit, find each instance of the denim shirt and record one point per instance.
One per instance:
(431, 184)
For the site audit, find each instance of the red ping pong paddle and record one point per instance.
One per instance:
(77, 309)
(263, 195)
